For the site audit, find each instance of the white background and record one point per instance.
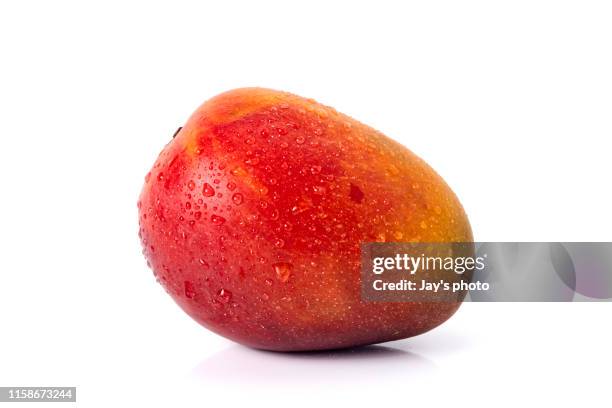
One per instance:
(510, 101)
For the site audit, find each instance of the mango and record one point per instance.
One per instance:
(253, 214)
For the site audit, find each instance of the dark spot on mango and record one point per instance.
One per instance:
(356, 194)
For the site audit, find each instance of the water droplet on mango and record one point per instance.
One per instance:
(237, 198)
(217, 219)
(282, 271)
(224, 296)
(208, 190)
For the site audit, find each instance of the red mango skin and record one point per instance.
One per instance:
(253, 215)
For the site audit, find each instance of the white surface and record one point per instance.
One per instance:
(509, 101)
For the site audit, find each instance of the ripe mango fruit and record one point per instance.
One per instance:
(253, 215)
